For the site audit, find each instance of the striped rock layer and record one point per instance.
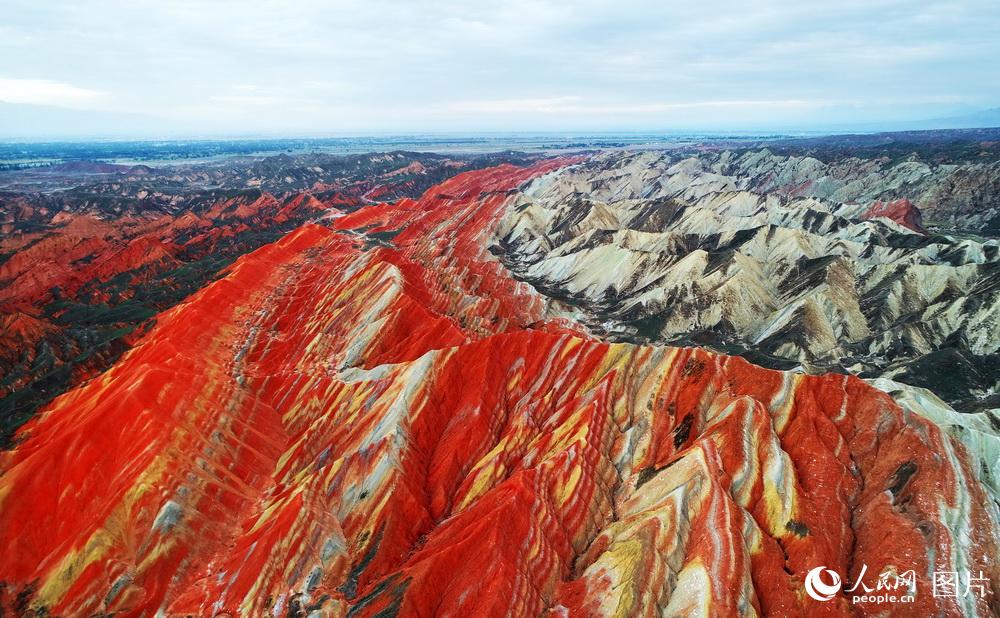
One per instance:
(375, 419)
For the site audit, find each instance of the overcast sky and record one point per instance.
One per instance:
(361, 66)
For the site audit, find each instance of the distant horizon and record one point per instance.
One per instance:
(32, 154)
(87, 125)
(865, 128)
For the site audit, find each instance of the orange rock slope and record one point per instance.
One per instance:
(901, 211)
(378, 420)
(81, 249)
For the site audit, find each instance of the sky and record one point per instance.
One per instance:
(297, 68)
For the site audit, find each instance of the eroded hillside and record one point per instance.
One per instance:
(374, 416)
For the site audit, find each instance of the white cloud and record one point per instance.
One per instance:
(47, 92)
(413, 65)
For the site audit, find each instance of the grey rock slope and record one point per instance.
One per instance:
(643, 246)
(965, 196)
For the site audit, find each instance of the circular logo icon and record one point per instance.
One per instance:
(817, 588)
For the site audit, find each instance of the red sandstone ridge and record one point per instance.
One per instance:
(97, 261)
(901, 211)
(371, 429)
(21, 333)
(80, 249)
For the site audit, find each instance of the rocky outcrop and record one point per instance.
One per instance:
(645, 249)
(376, 418)
(953, 196)
(964, 196)
(96, 250)
(96, 282)
(901, 211)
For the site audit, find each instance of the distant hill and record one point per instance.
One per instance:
(940, 146)
(982, 119)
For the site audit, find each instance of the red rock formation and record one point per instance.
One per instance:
(82, 248)
(901, 211)
(22, 332)
(340, 427)
(50, 260)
